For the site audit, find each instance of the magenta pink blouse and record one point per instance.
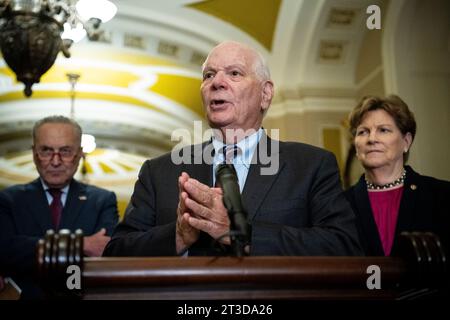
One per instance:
(385, 207)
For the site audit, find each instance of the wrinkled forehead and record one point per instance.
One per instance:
(57, 134)
(230, 54)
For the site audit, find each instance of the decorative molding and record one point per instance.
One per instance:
(332, 51)
(134, 41)
(341, 17)
(304, 92)
(168, 49)
(103, 36)
(311, 104)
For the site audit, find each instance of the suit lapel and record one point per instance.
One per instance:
(406, 216)
(200, 170)
(257, 185)
(370, 229)
(38, 205)
(74, 203)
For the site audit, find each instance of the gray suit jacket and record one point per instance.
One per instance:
(299, 210)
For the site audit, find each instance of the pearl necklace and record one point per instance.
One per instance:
(399, 181)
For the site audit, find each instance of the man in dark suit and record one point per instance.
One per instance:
(53, 201)
(291, 191)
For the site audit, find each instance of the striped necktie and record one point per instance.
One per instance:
(229, 153)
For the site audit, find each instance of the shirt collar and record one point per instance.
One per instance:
(246, 145)
(63, 190)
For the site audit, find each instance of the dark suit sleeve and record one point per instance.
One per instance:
(331, 226)
(138, 234)
(108, 213)
(17, 252)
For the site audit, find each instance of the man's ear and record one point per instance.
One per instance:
(81, 153)
(267, 94)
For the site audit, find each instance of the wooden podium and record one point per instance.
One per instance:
(421, 271)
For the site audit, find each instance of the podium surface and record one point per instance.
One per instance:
(421, 271)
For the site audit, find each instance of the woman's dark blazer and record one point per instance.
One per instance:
(425, 206)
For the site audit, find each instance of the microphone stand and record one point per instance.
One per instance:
(227, 179)
(238, 243)
(237, 236)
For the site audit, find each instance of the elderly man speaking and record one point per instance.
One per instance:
(298, 208)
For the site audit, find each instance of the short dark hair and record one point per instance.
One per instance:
(393, 105)
(57, 119)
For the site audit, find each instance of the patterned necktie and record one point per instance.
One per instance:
(229, 153)
(56, 206)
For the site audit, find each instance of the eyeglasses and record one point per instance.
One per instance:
(48, 153)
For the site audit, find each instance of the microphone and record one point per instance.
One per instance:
(226, 177)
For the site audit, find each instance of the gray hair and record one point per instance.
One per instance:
(57, 119)
(260, 66)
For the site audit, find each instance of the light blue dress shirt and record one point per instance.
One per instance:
(241, 162)
(243, 158)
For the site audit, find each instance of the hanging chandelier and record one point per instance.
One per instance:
(32, 32)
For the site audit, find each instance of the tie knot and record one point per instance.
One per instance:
(229, 153)
(56, 193)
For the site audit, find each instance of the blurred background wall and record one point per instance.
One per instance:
(139, 81)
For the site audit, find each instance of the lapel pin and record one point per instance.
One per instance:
(82, 198)
(413, 187)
